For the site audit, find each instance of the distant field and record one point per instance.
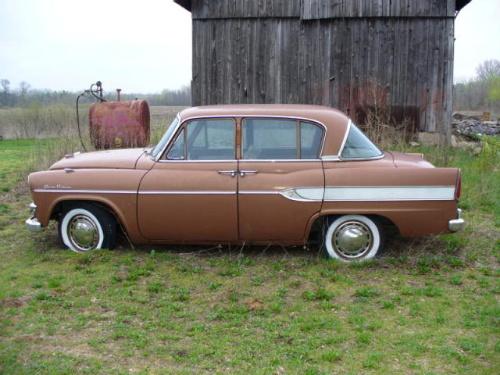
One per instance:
(161, 117)
(56, 120)
(428, 306)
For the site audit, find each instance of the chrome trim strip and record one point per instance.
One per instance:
(330, 158)
(186, 192)
(313, 194)
(392, 193)
(370, 193)
(243, 160)
(85, 191)
(260, 192)
(337, 158)
(196, 161)
(146, 192)
(279, 160)
(341, 149)
(306, 194)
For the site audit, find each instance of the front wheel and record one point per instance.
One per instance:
(352, 238)
(87, 227)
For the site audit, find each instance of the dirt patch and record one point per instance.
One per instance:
(15, 302)
(254, 304)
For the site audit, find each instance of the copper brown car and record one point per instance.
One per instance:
(249, 174)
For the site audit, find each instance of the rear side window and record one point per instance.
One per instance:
(311, 136)
(359, 146)
(280, 139)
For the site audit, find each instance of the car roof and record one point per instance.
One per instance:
(335, 121)
(317, 113)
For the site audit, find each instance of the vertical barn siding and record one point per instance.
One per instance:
(319, 9)
(350, 54)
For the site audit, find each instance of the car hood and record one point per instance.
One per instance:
(112, 159)
(402, 160)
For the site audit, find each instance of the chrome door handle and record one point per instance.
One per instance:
(228, 173)
(243, 173)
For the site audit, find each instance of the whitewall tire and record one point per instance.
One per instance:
(352, 238)
(87, 227)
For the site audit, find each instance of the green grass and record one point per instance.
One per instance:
(13, 163)
(428, 306)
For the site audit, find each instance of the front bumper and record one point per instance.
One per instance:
(457, 224)
(32, 223)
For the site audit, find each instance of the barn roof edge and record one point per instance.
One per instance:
(186, 4)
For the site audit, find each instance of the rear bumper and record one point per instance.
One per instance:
(457, 224)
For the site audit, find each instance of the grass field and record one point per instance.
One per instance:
(427, 306)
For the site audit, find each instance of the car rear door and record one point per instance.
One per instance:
(190, 195)
(279, 156)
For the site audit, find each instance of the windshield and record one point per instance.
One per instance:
(358, 146)
(166, 137)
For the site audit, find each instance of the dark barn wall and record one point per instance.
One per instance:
(350, 54)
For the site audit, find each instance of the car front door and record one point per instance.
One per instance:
(190, 195)
(279, 157)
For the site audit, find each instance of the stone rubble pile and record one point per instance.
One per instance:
(471, 126)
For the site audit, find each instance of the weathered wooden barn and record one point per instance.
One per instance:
(356, 55)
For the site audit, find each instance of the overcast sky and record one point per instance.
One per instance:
(145, 46)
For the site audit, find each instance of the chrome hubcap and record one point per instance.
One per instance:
(83, 233)
(352, 239)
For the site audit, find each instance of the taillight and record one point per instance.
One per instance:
(458, 189)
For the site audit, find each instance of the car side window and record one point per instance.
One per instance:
(205, 139)
(311, 136)
(278, 139)
(358, 146)
(178, 150)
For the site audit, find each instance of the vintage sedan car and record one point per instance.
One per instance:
(248, 174)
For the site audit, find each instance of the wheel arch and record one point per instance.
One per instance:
(318, 221)
(59, 205)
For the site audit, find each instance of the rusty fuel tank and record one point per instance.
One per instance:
(119, 124)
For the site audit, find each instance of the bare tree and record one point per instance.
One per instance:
(24, 87)
(4, 98)
(488, 70)
(5, 83)
(481, 92)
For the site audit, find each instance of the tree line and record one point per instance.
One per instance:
(24, 95)
(481, 92)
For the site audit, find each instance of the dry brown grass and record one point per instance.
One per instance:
(38, 121)
(59, 121)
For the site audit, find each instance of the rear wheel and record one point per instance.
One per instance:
(87, 227)
(352, 238)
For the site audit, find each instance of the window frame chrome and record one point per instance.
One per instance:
(294, 118)
(181, 127)
(160, 158)
(339, 157)
(167, 144)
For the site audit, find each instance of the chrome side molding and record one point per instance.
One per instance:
(370, 193)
